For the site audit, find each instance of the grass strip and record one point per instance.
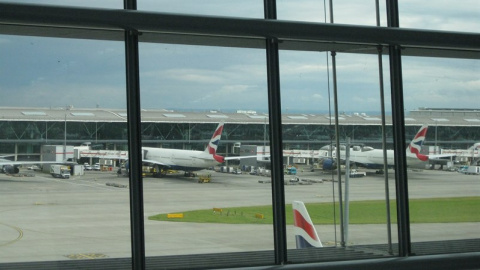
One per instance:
(432, 210)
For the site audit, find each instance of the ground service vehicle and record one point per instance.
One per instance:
(60, 171)
(472, 170)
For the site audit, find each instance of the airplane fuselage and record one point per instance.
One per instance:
(374, 158)
(177, 159)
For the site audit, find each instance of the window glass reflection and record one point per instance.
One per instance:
(58, 94)
(344, 12)
(248, 9)
(446, 16)
(309, 145)
(65, 93)
(441, 93)
(202, 109)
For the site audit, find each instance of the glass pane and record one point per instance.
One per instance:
(444, 192)
(56, 95)
(344, 11)
(200, 104)
(445, 15)
(311, 176)
(247, 8)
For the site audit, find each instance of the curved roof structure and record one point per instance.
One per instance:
(439, 117)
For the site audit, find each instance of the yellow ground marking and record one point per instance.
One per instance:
(20, 234)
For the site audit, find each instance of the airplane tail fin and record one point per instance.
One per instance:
(475, 146)
(416, 144)
(213, 144)
(305, 234)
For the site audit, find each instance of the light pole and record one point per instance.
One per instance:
(65, 134)
(436, 125)
(65, 137)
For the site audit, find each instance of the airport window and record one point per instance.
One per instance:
(59, 221)
(336, 210)
(345, 11)
(203, 204)
(72, 79)
(447, 17)
(233, 8)
(443, 192)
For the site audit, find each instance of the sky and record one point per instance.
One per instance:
(54, 72)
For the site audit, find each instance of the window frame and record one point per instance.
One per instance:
(133, 26)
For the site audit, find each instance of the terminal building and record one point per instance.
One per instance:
(25, 130)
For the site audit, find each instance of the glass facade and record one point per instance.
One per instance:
(208, 79)
(451, 75)
(182, 85)
(48, 78)
(246, 9)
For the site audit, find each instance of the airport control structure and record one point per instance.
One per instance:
(101, 134)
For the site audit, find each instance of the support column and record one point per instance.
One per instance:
(134, 144)
(276, 144)
(384, 137)
(398, 119)
(337, 137)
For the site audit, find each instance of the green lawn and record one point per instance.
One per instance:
(437, 210)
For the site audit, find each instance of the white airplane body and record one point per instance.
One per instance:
(186, 160)
(373, 158)
(176, 159)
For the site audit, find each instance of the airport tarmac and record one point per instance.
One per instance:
(48, 219)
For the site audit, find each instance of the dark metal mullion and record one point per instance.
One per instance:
(384, 137)
(275, 117)
(134, 144)
(113, 20)
(398, 120)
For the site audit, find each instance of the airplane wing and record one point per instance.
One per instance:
(4, 163)
(10, 162)
(440, 156)
(238, 157)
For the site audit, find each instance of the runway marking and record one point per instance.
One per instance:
(82, 256)
(90, 184)
(20, 234)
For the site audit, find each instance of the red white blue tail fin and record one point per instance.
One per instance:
(475, 146)
(416, 144)
(213, 144)
(305, 234)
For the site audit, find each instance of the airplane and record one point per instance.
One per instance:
(164, 159)
(305, 234)
(370, 157)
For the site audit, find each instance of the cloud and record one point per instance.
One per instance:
(440, 15)
(42, 93)
(193, 75)
(65, 71)
(441, 83)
